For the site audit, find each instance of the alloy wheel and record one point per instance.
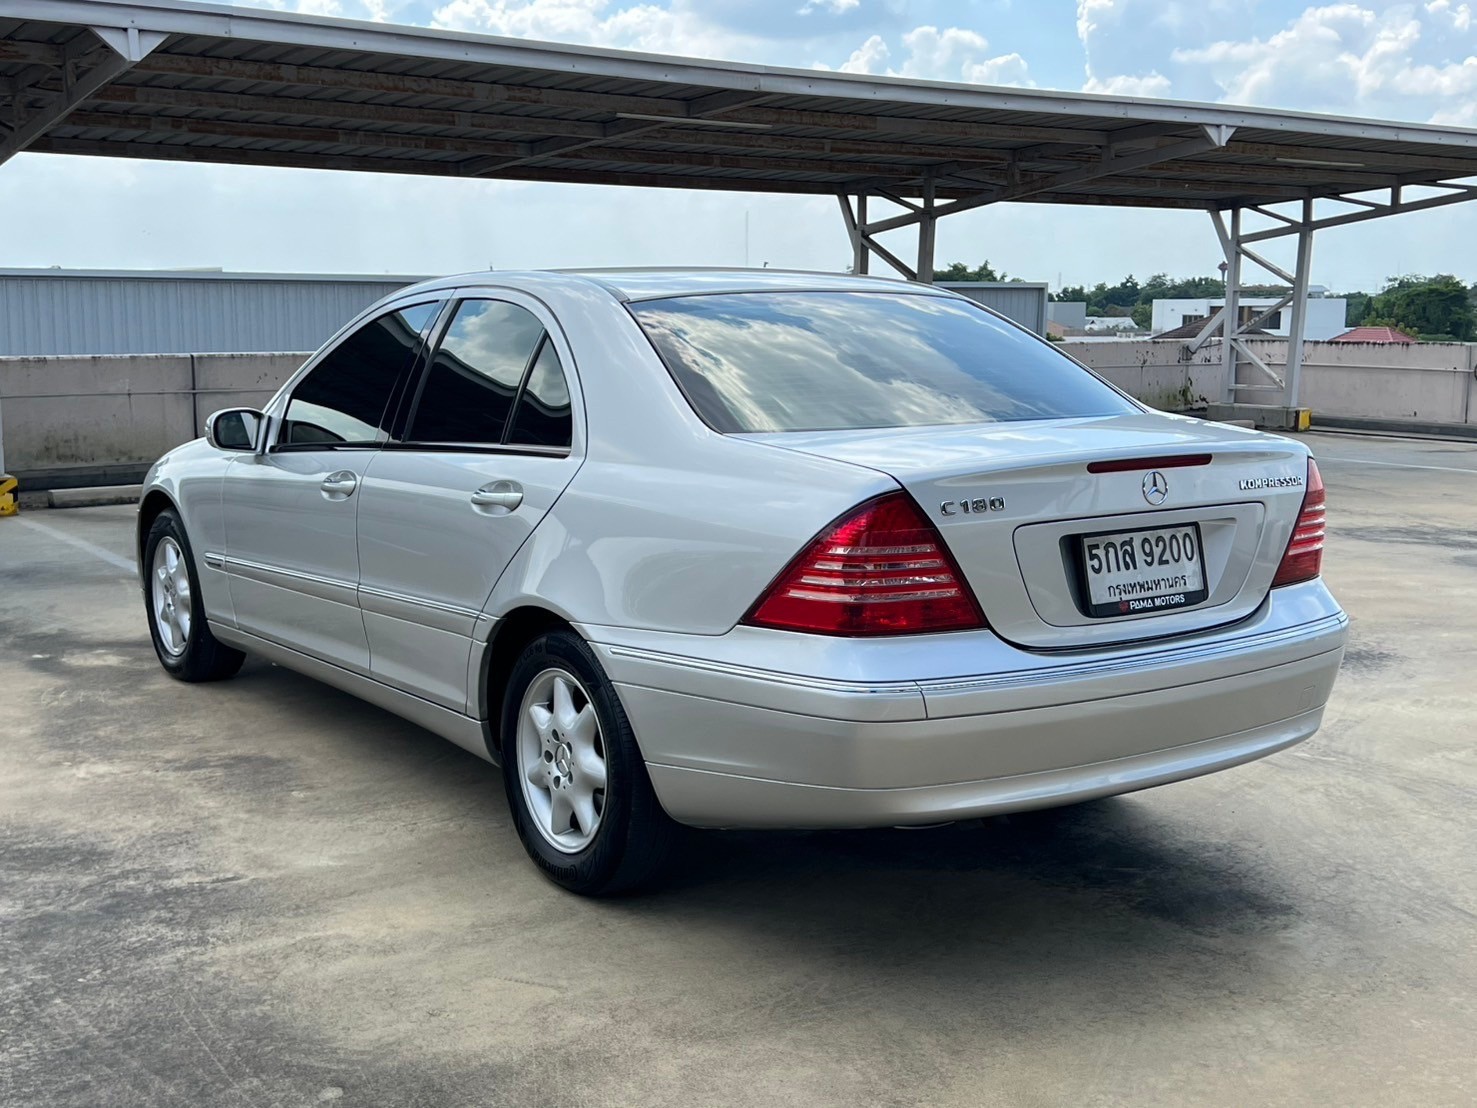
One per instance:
(169, 593)
(561, 760)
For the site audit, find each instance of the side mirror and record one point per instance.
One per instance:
(234, 429)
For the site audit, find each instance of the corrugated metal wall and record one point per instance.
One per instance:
(74, 312)
(1025, 303)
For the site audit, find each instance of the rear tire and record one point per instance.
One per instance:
(176, 610)
(577, 787)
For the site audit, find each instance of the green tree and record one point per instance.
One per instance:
(958, 271)
(1357, 308)
(1436, 307)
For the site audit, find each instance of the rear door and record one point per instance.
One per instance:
(490, 440)
(290, 552)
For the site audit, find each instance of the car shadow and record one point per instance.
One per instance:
(1133, 879)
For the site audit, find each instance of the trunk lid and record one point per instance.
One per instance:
(1014, 501)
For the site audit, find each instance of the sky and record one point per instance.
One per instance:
(1404, 61)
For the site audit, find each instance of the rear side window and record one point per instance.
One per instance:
(475, 376)
(345, 399)
(542, 417)
(821, 361)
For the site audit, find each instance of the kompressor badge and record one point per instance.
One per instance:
(1250, 483)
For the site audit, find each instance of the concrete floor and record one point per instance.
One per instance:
(264, 892)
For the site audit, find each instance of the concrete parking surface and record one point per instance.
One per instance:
(264, 892)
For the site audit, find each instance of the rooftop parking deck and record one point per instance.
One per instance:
(264, 891)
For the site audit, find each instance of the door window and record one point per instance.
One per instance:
(474, 378)
(345, 399)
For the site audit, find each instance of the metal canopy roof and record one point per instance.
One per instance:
(164, 80)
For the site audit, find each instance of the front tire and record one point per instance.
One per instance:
(177, 624)
(577, 786)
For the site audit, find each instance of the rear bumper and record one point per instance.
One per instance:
(706, 799)
(826, 742)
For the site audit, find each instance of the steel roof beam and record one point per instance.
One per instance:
(76, 89)
(34, 53)
(1461, 195)
(1105, 168)
(245, 104)
(219, 128)
(694, 112)
(361, 80)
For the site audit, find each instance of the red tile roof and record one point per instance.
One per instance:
(1373, 334)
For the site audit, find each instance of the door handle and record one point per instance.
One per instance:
(499, 494)
(340, 485)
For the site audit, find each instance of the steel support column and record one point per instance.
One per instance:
(927, 231)
(1299, 322)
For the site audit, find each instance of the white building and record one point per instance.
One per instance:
(1106, 323)
(1325, 316)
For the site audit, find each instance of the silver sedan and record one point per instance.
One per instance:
(736, 549)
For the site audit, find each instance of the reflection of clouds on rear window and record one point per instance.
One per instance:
(822, 361)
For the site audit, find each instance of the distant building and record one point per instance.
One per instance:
(1070, 315)
(1100, 324)
(1022, 301)
(72, 311)
(1191, 330)
(1375, 334)
(1325, 319)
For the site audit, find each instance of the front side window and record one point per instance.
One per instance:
(821, 361)
(495, 380)
(345, 399)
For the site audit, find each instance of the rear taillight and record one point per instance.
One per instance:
(881, 570)
(1304, 557)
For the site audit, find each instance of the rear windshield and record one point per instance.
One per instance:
(825, 361)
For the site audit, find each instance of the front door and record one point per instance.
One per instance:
(489, 446)
(290, 552)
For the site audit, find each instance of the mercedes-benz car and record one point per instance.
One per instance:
(757, 550)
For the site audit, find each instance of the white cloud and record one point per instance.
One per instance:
(647, 26)
(1459, 14)
(1349, 59)
(953, 54)
(870, 57)
(1150, 84)
(1097, 20)
(835, 7)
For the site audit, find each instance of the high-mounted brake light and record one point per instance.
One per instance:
(882, 569)
(1303, 559)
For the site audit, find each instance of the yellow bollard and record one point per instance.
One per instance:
(8, 504)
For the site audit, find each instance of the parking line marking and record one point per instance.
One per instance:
(82, 544)
(1393, 465)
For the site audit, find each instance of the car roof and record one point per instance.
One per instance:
(655, 283)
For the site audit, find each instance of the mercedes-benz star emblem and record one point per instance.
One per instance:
(1156, 488)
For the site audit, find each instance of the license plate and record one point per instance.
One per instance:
(1151, 570)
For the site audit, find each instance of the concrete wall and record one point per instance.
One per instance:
(92, 417)
(1426, 381)
(93, 413)
(1163, 374)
